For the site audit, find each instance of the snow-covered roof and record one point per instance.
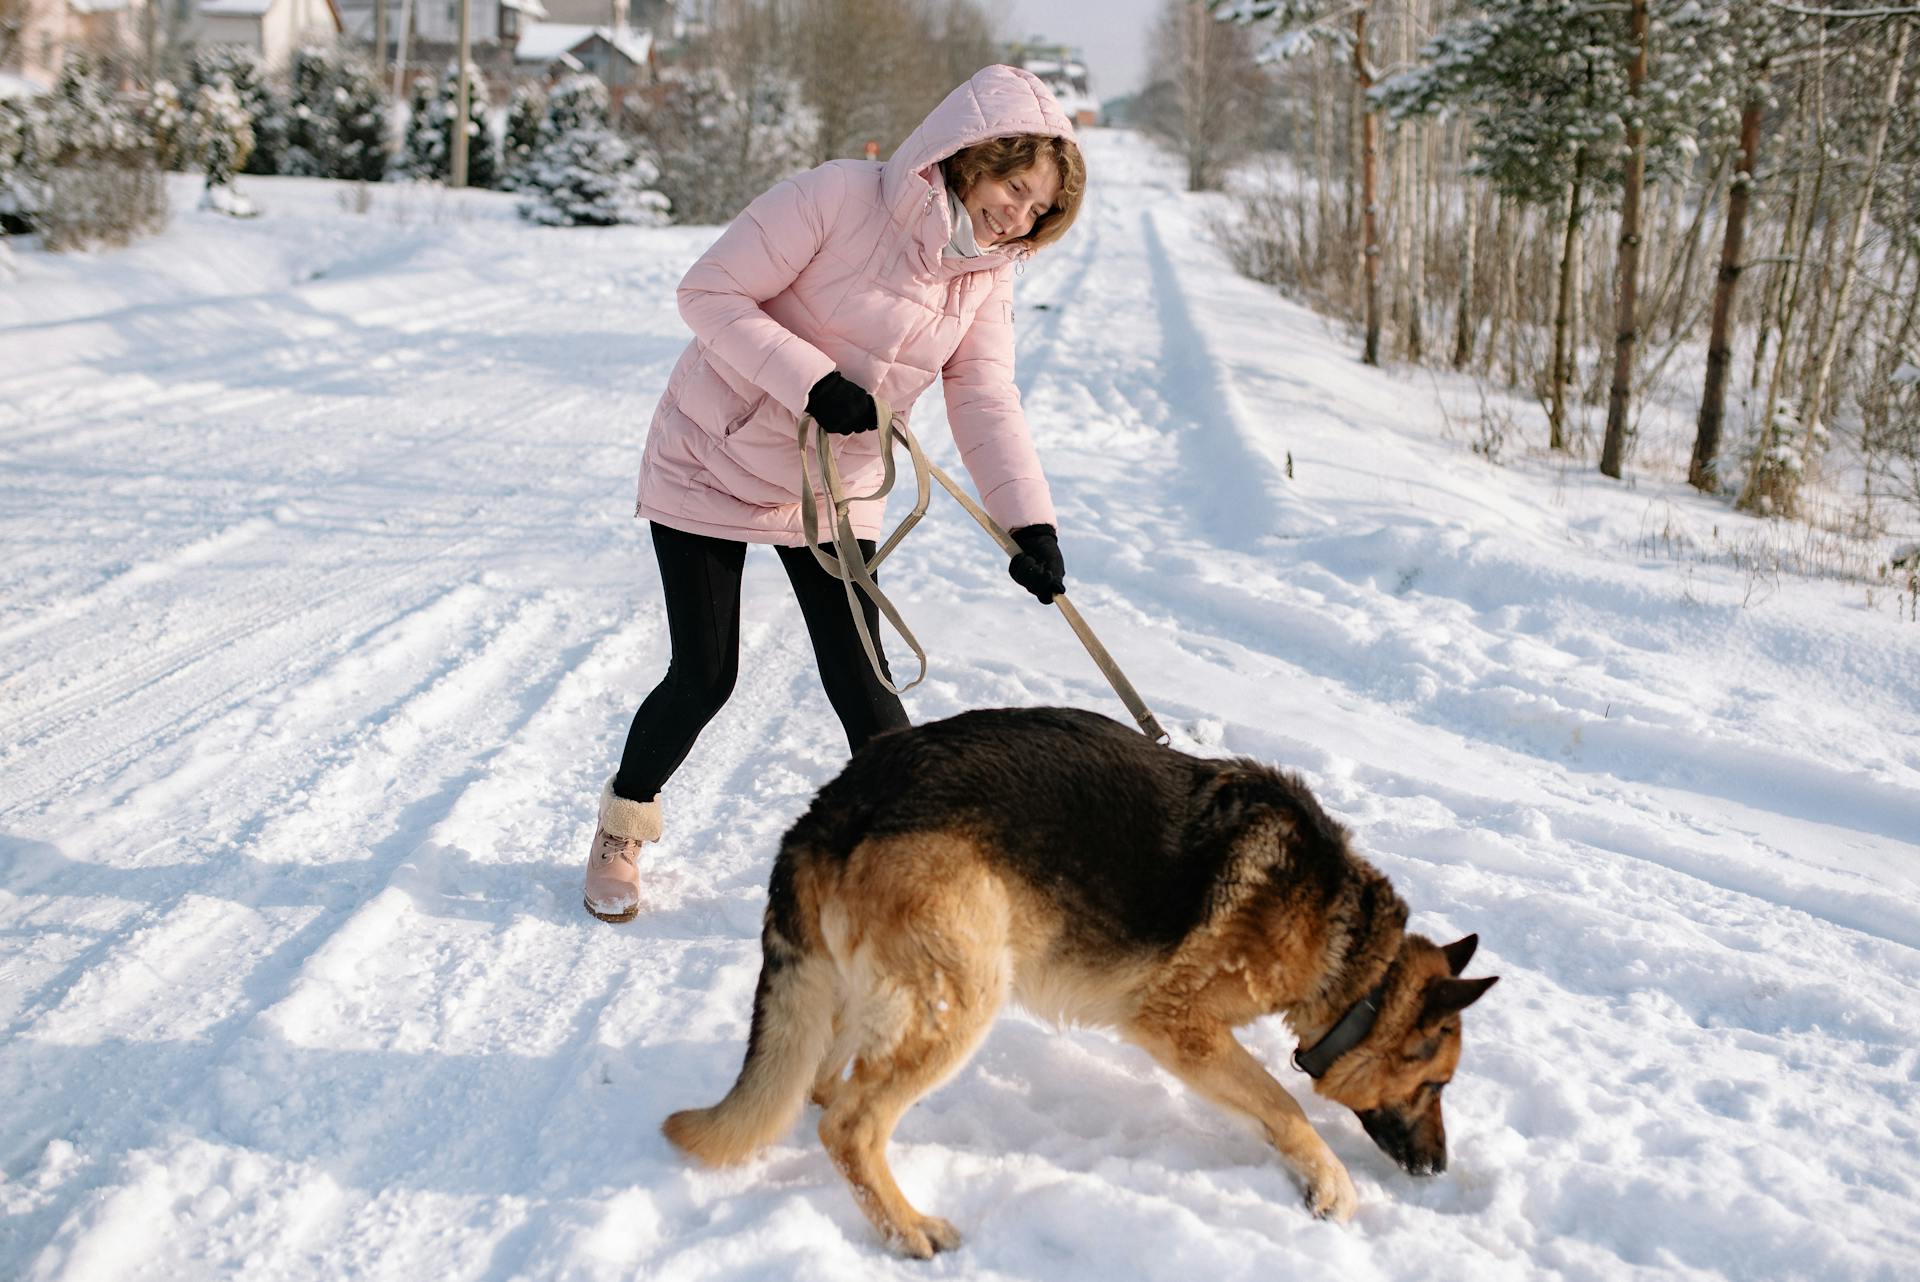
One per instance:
(543, 42)
(531, 8)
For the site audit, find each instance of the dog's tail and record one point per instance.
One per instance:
(793, 1009)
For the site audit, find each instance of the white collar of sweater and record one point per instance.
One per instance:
(961, 244)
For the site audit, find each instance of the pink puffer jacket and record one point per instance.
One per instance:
(841, 268)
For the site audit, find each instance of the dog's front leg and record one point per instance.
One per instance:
(1214, 1063)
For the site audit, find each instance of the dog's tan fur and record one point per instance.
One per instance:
(909, 945)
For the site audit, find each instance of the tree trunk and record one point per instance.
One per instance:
(1369, 190)
(1504, 268)
(1713, 398)
(1823, 369)
(1464, 321)
(1563, 313)
(1615, 446)
(1675, 307)
(1774, 297)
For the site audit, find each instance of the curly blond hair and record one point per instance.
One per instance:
(1002, 158)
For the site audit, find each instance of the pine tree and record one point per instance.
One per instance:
(429, 140)
(336, 126)
(522, 138)
(265, 105)
(583, 173)
(424, 153)
(1549, 87)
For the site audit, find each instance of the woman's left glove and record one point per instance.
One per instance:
(1039, 568)
(841, 406)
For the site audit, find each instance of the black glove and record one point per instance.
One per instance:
(841, 406)
(1038, 568)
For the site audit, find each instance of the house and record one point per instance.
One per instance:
(621, 57)
(434, 25)
(274, 28)
(648, 15)
(1064, 69)
(48, 30)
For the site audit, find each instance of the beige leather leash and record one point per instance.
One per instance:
(847, 565)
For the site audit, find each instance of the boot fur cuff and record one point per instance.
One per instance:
(633, 820)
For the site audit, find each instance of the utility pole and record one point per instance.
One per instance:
(380, 40)
(459, 175)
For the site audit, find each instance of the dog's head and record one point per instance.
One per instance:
(1394, 1078)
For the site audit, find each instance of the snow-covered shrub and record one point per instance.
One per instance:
(265, 104)
(1780, 465)
(428, 153)
(219, 136)
(717, 149)
(584, 174)
(522, 137)
(102, 185)
(335, 121)
(23, 162)
(164, 118)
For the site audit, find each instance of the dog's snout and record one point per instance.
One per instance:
(1408, 1144)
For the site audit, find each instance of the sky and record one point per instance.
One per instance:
(1112, 34)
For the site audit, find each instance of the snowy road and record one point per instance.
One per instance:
(322, 615)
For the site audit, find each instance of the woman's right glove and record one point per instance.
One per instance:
(1039, 567)
(841, 406)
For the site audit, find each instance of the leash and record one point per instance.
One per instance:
(846, 564)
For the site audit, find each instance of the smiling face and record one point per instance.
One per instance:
(1004, 209)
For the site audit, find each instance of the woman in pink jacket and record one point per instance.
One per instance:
(853, 280)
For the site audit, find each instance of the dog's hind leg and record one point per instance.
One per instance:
(937, 968)
(1214, 1063)
(793, 1007)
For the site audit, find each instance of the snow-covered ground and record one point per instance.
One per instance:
(322, 616)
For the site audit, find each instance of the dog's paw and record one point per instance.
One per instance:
(823, 1092)
(1330, 1194)
(926, 1237)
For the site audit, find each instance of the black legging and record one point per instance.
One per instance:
(701, 579)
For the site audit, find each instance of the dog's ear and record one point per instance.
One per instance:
(1445, 996)
(1459, 953)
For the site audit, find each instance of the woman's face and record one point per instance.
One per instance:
(1005, 209)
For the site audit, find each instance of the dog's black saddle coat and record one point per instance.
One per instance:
(1138, 842)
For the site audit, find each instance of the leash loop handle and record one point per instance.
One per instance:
(847, 565)
(845, 562)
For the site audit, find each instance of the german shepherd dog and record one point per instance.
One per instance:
(1100, 879)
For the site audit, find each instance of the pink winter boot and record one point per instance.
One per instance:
(613, 865)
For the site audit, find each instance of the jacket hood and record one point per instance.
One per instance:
(995, 102)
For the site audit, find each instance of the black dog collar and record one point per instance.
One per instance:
(1348, 1033)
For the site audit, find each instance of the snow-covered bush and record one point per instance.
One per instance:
(1780, 465)
(584, 174)
(164, 118)
(265, 104)
(219, 136)
(522, 137)
(428, 153)
(102, 185)
(335, 121)
(717, 149)
(23, 162)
